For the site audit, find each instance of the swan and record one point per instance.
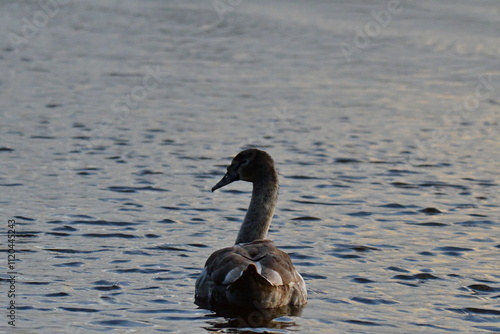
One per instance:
(254, 273)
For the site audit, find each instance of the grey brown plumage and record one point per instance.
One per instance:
(253, 273)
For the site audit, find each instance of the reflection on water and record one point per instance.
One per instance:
(388, 164)
(263, 319)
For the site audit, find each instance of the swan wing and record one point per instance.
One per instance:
(257, 271)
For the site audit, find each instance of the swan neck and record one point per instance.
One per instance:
(261, 210)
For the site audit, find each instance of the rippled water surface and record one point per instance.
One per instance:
(119, 116)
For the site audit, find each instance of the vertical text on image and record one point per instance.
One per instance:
(11, 272)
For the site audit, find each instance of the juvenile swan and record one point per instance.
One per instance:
(253, 273)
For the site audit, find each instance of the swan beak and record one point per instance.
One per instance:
(228, 178)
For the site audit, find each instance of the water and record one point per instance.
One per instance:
(119, 116)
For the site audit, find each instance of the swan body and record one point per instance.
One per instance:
(253, 273)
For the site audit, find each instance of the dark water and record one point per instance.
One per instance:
(119, 116)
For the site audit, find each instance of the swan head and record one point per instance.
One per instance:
(249, 165)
